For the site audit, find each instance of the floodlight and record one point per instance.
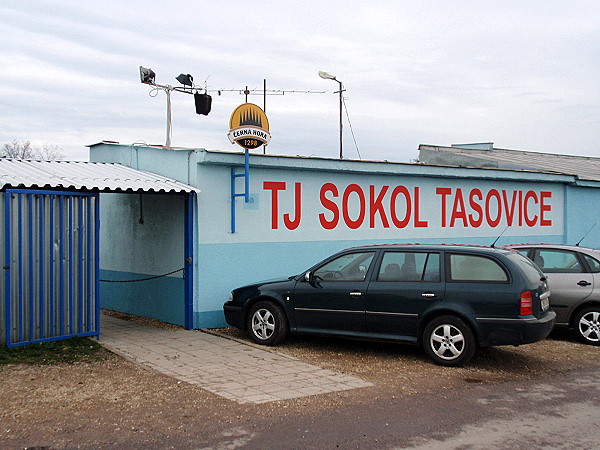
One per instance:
(147, 75)
(326, 75)
(186, 80)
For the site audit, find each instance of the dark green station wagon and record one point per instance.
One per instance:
(450, 299)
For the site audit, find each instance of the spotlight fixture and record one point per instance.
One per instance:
(186, 80)
(203, 103)
(147, 75)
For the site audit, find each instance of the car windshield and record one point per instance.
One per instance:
(532, 273)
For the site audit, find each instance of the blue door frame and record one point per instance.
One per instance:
(52, 268)
(188, 273)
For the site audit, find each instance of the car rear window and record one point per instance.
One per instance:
(476, 268)
(530, 270)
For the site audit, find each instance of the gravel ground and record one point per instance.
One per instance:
(115, 402)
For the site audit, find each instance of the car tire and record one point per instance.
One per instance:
(449, 341)
(267, 324)
(587, 325)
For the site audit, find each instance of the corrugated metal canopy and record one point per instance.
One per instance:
(81, 175)
(584, 167)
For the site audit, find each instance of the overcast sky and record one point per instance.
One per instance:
(522, 74)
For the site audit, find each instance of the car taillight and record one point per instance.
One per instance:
(526, 303)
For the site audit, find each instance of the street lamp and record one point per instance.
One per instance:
(328, 76)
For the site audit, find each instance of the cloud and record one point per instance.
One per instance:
(523, 75)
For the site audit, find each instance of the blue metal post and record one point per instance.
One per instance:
(20, 272)
(42, 293)
(247, 176)
(246, 193)
(90, 261)
(80, 262)
(188, 273)
(61, 264)
(31, 268)
(233, 195)
(97, 261)
(7, 263)
(70, 285)
(51, 287)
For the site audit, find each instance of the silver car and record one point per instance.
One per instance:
(573, 275)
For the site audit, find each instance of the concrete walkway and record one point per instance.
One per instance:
(238, 372)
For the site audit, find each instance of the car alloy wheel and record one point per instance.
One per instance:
(588, 326)
(267, 323)
(449, 341)
(263, 324)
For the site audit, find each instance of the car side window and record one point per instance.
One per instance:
(592, 262)
(409, 266)
(348, 267)
(557, 261)
(476, 268)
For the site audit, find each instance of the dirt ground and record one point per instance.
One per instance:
(117, 403)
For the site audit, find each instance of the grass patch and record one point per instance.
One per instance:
(67, 351)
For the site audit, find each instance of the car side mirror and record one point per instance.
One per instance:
(308, 277)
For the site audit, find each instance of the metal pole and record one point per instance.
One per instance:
(341, 99)
(168, 92)
(264, 107)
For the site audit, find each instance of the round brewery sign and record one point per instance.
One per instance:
(249, 126)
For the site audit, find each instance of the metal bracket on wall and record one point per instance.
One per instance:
(246, 193)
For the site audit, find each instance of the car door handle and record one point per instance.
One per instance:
(584, 283)
(356, 294)
(428, 294)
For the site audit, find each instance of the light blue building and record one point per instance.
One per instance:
(299, 210)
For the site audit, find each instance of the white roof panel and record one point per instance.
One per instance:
(584, 167)
(80, 175)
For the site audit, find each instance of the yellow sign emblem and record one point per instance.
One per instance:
(249, 126)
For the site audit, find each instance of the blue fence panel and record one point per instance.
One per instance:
(52, 269)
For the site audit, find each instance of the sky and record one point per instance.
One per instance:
(523, 75)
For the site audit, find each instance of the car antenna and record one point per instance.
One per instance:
(499, 236)
(588, 232)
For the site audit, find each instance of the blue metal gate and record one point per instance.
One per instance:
(51, 265)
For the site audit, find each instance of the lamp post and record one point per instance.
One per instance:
(328, 76)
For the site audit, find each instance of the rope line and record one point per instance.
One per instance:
(144, 279)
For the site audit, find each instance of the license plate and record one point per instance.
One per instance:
(545, 304)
